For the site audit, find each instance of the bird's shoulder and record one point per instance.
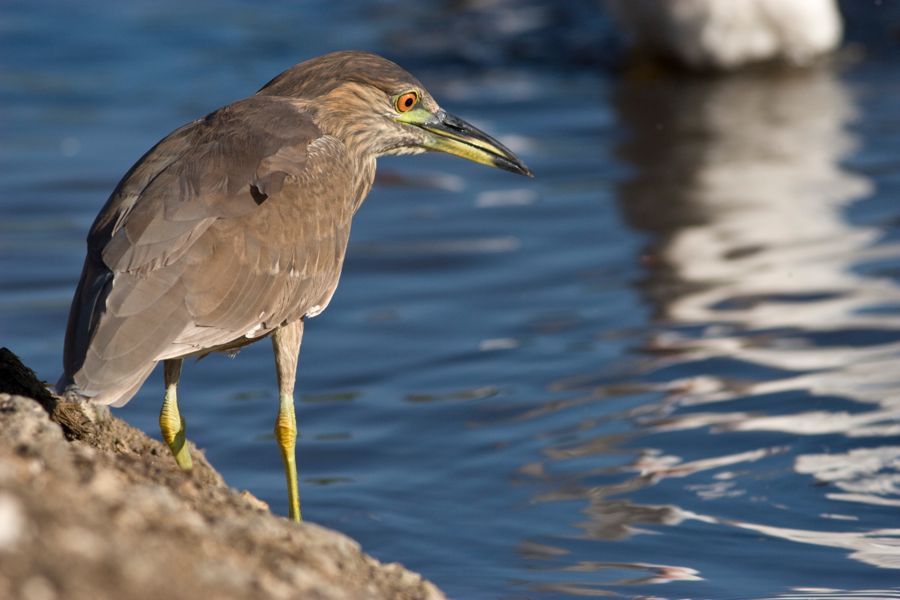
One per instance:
(218, 167)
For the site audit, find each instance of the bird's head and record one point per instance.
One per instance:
(375, 105)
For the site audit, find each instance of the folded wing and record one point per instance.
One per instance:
(228, 228)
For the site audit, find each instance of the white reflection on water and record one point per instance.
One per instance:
(835, 594)
(868, 475)
(755, 252)
(631, 574)
(771, 188)
(880, 547)
(752, 264)
(774, 251)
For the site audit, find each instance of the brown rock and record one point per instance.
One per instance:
(94, 509)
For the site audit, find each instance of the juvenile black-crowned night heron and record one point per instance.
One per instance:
(235, 227)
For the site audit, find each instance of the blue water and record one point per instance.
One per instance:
(667, 367)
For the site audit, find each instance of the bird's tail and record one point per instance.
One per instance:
(86, 373)
(116, 395)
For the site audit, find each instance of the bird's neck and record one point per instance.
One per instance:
(346, 114)
(339, 120)
(365, 176)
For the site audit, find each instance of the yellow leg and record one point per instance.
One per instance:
(171, 423)
(286, 343)
(286, 434)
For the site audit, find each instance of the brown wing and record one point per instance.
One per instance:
(228, 228)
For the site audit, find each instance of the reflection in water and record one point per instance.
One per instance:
(758, 270)
(765, 391)
(620, 574)
(868, 475)
(835, 594)
(769, 266)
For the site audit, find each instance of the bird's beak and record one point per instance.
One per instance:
(454, 136)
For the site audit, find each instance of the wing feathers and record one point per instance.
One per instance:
(185, 256)
(132, 294)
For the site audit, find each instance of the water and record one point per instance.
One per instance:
(666, 367)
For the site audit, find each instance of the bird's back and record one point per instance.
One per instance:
(228, 228)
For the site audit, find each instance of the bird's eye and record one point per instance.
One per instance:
(406, 102)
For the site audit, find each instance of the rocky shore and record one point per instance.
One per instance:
(92, 509)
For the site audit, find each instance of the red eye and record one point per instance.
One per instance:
(406, 102)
